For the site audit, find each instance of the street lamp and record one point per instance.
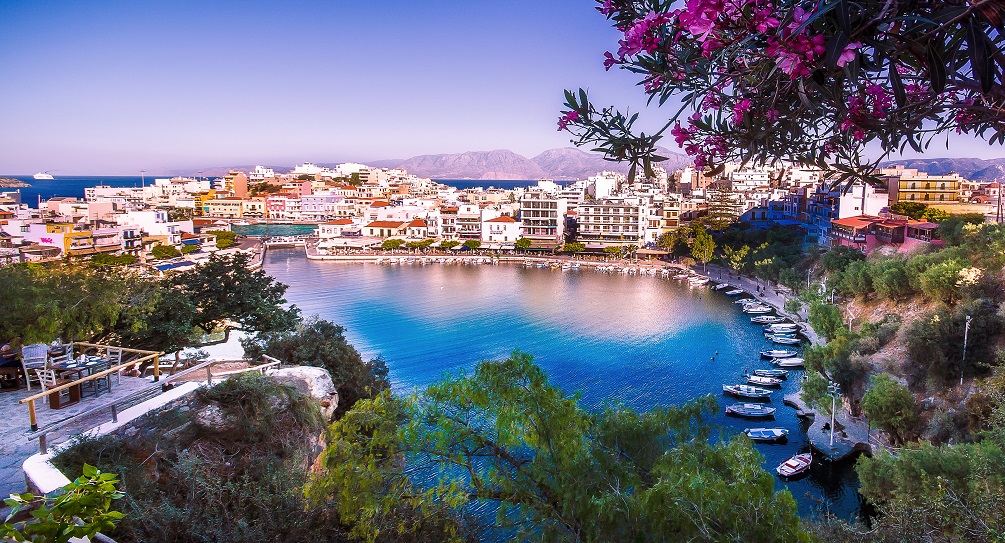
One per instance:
(851, 317)
(834, 390)
(833, 290)
(966, 333)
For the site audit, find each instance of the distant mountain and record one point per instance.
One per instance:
(562, 164)
(974, 169)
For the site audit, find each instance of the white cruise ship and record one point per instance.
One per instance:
(42, 175)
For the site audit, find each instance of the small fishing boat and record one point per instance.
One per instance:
(758, 309)
(750, 410)
(766, 435)
(785, 340)
(799, 463)
(698, 281)
(721, 286)
(778, 353)
(766, 319)
(747, 391)
(745, 301)
(574, 266)
(680, 276)
(734, 292)
(764, 381)
(787, 327)
(777, 374)
(788, 362)
(769, 335)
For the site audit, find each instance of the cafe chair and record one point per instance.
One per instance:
(33, 357)
(47, 380)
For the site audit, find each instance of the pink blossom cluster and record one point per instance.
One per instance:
(872, 105)
(644, 35)
(797, 50)
(704, 152)
(740, 109)
(565, 119)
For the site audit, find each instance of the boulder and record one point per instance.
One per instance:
(213, 418)
(314, 382)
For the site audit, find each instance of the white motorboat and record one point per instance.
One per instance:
(777, 374)
(758, 309)
(766, 319)
(785, 340)
(698, 281)
(793, 363)
(721, 286)
(43, 176)
(799, 463)
(778, 353)
(747, 391)
(782, 327)
(764, 381)
(766, 435)
(734, 292)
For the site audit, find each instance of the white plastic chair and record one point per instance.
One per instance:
(47, 379)
(33, 357)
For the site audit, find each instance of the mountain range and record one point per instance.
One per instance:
(974, 169)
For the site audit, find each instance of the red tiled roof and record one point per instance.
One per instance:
(856, 222)
(186, 235)
(503, 218)
(379, 204)
(417, 223)
(385, 224)
(340, 222)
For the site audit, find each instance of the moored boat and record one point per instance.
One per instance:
(758, 309)
(734, 292)
(721, 286)
(766, 435)
(750, 410)
(778, 353)
(787, 327)
(785, 340)
(747, 391)
(698, 281)
(799, 463)
(766, 319)
(788, 362)
(777, 374)
(764, 381)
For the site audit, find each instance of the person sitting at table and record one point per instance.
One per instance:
(9, 359)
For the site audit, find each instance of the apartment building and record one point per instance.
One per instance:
(542, 218)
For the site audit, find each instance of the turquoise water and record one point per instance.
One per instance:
(274, 229)
(642, 341)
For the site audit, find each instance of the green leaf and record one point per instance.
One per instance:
(937, 68)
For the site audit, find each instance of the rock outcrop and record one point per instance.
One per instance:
(311, 381)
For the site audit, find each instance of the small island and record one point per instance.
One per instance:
(9, 183)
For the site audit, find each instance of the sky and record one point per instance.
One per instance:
(116, 86)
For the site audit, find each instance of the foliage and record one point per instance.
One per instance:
(391, 244)
(735, 257)
(239, 483)
(424, 244)
(224, 238)
(177, 214)
(612, 250)
(826, 320)
(771, 252)
(103, 260)
(914, 210)
(161, 252)
(574, 247)
(45, 301)
(449, 244)
(472, 244)
(838, 258)
(941, 282)
(320, 343)
(890, 406)
(189, 249)
(723, 210)
(809, 83)
(935, 343)
(956, 493)
(222, 293)
(54, 519)
(523, 244)
(936, 215)
(952, 229)
(506, 440)
(703, 247)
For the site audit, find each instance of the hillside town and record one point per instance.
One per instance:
(359, 207)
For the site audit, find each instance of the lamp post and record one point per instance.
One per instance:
(833, 290)
(851, 317)
(834, 390)
(966, 334)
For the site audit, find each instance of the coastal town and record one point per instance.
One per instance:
(358, 208)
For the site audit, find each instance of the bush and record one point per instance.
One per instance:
(164, 251)
(890, 406)
(224, 238)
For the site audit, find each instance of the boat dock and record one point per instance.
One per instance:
(850, 438)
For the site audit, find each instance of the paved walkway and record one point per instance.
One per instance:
(15, 446)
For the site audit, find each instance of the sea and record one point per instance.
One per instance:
(73, 186)
(639, 341)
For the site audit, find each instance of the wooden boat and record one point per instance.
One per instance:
(799, 463)
(734, 292)
(750, 410)
(785, 340)
(764, 381)
(747, 391)
(766, 319)
(777, 374)
(778, 353)
(766, 435)
(788, 362)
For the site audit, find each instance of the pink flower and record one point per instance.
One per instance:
(739, 109)
(564, 120)
(609, 60)
(681, 135)
(771, 115)
(848, 53)
(606, 8)
(640, 37)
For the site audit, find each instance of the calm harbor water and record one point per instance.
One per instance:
(641, 341)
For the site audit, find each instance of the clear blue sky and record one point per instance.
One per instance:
(115, 86)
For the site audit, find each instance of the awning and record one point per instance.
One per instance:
(494, 247)
(654, 252)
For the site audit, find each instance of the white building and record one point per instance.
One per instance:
(502, 229)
